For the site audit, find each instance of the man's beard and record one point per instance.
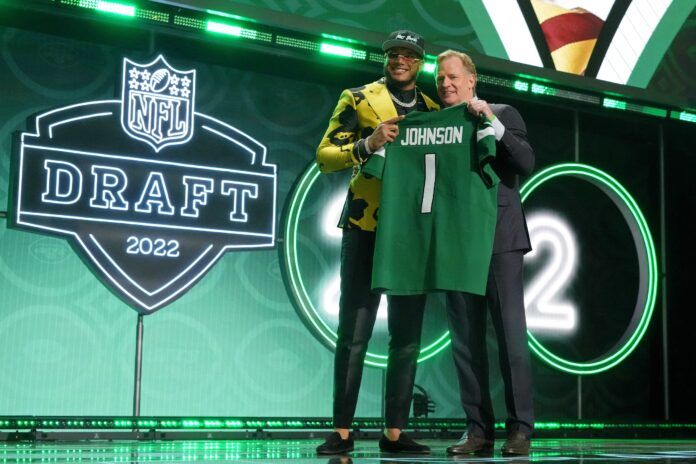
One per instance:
(398, 84)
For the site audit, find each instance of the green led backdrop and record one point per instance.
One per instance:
(235, 344)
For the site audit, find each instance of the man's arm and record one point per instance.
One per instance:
(511, 132)
(337, 149)
(518, 154)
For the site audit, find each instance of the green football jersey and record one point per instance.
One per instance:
(438, 205)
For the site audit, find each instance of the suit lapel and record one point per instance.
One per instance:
(377, 97)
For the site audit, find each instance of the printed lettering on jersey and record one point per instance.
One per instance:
(149, 192)
(433, 135)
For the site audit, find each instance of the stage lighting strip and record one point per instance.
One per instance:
(298, 288)
(236, 31)
(647, 259)
(627, 106)
(376, 57)
(348, 48)
(683, 116)
(221, 423)
(208, 423)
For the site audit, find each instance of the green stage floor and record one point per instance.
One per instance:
(302, 451)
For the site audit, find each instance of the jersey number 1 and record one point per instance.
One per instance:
(429, 184)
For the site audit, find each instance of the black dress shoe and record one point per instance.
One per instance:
(334, 444)
(471, 444)
(403, 445)
(517, 444)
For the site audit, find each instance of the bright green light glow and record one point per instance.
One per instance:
(622, 105)
(230, 15)
(222, 28)
(534, 78)
(114, 7)
(683, 116)
(299, 291)
(337, 50)
(429, 68)
(543, 89)
(652, 111)
(646, 257)
(616, 104)
(342, 39)
(521, 86)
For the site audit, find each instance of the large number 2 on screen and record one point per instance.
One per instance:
(547, 308)
(429, 183)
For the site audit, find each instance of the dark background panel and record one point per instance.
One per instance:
(628, 149)
(680, 213)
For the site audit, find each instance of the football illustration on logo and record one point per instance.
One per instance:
(159, 80)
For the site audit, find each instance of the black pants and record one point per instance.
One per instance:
(467, 320)
(357, 313)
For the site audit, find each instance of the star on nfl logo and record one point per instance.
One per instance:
(157, 102)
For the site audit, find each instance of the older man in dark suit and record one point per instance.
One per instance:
(456, 82)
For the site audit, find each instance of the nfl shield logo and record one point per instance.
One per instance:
(157, 103)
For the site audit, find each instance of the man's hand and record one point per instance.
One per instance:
(385, 132)
(479, 107)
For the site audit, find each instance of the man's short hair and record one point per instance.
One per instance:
(465, 59)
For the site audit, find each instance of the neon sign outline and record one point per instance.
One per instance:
(647, 293)
(108, 185)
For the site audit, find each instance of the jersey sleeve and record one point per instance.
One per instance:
(375, 165)
(485, 148)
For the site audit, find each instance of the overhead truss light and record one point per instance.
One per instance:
(118, 8)
(636, 108)
(683, 116)
(222, 28)
(340, 50)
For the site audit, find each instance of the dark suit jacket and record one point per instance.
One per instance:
(514, 158)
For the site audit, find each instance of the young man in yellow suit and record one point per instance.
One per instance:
(364, 120)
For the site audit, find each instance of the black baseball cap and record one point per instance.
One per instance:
(406, 39)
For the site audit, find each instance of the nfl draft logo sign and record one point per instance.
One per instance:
(148, 192)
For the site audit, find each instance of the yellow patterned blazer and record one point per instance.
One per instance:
(357, 114)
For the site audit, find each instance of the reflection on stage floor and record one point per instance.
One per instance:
(302, 451)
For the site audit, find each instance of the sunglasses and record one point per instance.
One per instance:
(409, 58)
